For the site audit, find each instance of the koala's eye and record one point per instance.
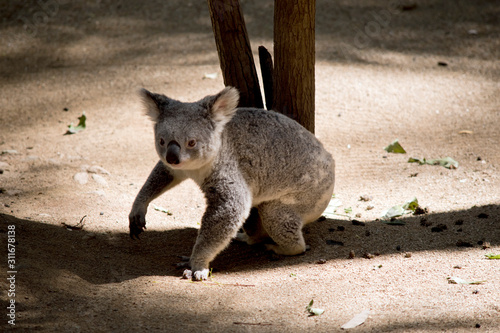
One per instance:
(191, 143)
(162, 142)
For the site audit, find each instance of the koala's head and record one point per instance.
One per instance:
(188, 135)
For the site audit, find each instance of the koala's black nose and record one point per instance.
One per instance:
(173, 152)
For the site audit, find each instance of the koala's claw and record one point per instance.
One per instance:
(137, 224)
(187, 274)
(196, 276)
(135, 231)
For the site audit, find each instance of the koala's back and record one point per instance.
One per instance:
(278, 158)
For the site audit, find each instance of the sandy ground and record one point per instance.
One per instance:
(378, 78)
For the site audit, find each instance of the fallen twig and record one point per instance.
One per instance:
(79, 225)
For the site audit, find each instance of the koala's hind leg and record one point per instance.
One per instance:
(284, 226)
(253, 232)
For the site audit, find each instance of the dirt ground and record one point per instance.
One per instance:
(422, 72)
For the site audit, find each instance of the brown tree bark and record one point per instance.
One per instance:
(294, 57)
(235, 54)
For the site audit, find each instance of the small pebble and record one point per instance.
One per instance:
(475, 292)
(321, 261)
(369, 207)
(407, 255)
(483, 216)
(461, 243)
(398, 248)
(81, 178)
(486, 245)
(439, 228)
(365, 197)
(420, 211)
(424, 222)
(356, 222)
(352, 254)
(368, 255)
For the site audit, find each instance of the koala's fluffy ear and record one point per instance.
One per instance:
(223, 105)
(152, 103)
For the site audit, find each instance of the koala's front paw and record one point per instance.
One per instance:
(137, 223)
(197, 275)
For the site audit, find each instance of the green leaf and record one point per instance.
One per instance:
(161, 209)
(492, 256)
(411, 204)
(446, 162)
(395, 148)
(399, 210)
(348, 210)
(313, 311)
(416, 160)
(80, 127)
(456, 280)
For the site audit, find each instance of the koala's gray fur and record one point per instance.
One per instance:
(253, 165)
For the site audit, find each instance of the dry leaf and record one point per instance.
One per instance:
(357, 320)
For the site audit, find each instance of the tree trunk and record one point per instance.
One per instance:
(294, 56)
(235, 54)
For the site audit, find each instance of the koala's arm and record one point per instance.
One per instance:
(228, 205)
(160, 180)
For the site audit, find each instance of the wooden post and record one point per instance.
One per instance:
(235, 54)
(294, 56)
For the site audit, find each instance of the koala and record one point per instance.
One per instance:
(259, 170)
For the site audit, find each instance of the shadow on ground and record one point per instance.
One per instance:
(131, 30)
(156, 253)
